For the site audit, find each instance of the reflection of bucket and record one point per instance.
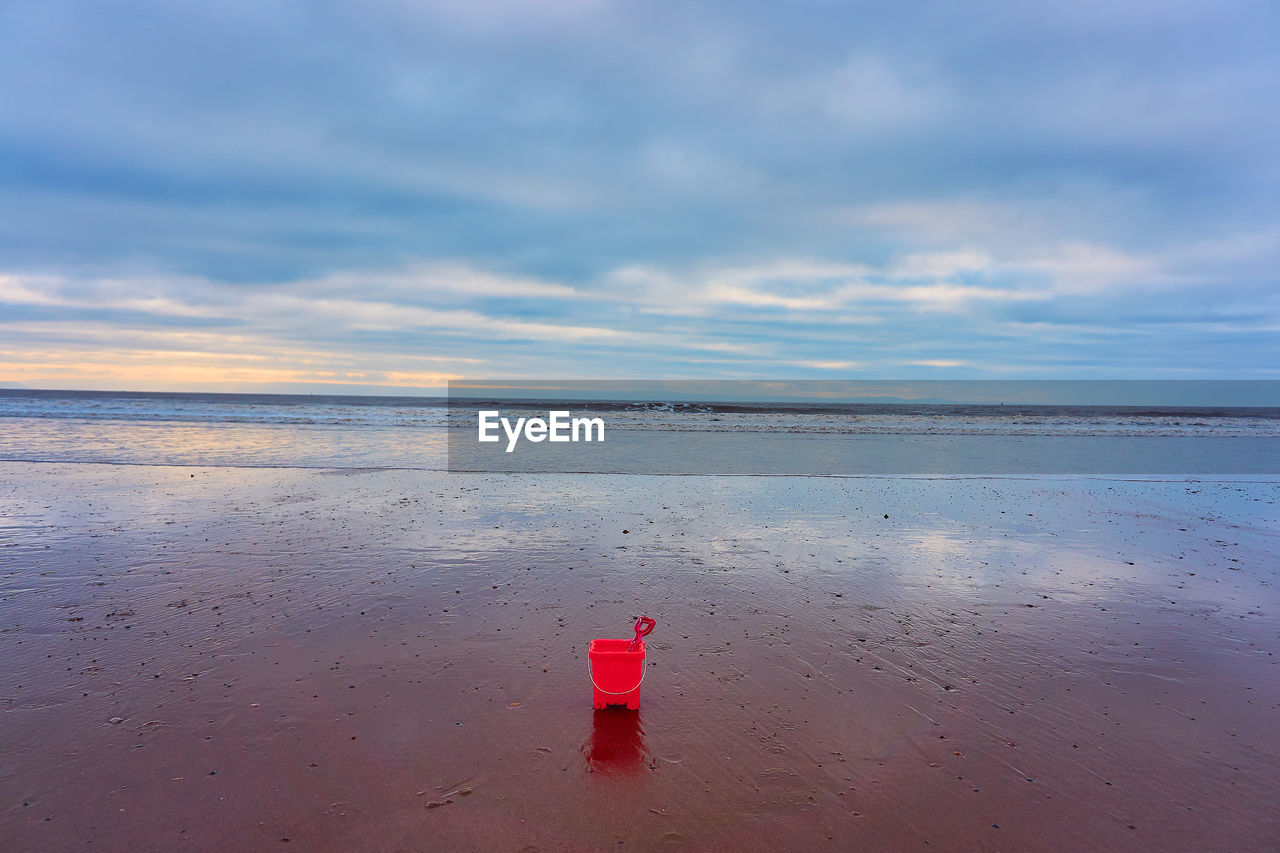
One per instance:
(616, 746)
(616, 674)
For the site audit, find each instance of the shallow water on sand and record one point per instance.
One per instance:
(397, 660)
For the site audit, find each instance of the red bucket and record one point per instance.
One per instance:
(616, 673)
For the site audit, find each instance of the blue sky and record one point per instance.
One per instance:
(382, 195)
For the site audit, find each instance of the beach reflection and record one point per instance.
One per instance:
(218, 444)
(616, 745)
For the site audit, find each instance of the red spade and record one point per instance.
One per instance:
(644, 627)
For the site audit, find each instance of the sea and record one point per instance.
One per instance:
(642, 436)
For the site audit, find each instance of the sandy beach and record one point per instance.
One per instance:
(222, 658)
(915, 367)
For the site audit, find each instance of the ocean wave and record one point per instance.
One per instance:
(356, 413)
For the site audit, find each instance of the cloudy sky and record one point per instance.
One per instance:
(383, 194)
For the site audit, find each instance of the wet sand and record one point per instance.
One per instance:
(220, 658)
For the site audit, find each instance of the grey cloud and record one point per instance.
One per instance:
(1114, 163)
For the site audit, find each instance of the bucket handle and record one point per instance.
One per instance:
(643, 662)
